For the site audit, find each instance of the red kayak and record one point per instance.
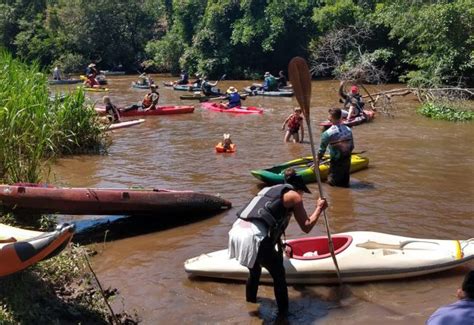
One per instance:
(101, 201)
(366, 117)
(218, 107)
(160, 110)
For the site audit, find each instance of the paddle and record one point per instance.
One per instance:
(300, 78)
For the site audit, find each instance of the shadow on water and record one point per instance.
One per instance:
(117, 227)
(358, 185)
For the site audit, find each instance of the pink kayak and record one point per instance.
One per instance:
(218, 107)
(160, 110)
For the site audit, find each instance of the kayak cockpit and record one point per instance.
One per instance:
(315, 248)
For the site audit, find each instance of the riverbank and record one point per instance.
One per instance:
(57, 291)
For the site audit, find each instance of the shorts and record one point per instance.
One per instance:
(339, 172)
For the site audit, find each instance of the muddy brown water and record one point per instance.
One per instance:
(419, 183)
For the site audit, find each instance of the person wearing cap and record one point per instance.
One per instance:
(462, 311)
(294, 122)
(208, 89)
(340, 141)
(91, 74)
(255, 237)
(269, 82)
(233, 97)
(352, 101)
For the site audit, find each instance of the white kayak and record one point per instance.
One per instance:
(361, 255)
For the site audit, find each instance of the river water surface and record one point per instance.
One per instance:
(419, 183)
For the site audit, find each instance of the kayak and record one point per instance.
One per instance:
(204, 98)
(140, 86)
(369, 116)
(303, 167)
(121, 125)
(95, 89)
(361, 255)
(188, 87)
(160, 110)
(64, 81)
(275, 93)
(113, 201)
(218, 107)
(220, 148)
(112, 73)
(21, 248)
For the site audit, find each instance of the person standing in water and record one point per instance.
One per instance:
(255, 237)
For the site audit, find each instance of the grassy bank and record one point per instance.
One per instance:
(37, 128)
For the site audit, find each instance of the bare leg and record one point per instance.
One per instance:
(287, 136)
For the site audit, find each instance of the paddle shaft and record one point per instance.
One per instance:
(300, 77)
(321, 194)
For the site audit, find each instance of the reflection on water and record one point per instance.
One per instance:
(419, 183)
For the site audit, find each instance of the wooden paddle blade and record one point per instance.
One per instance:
(300, 78)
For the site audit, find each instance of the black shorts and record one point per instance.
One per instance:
(339, 172)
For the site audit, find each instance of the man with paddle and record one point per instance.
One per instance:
(259, 228)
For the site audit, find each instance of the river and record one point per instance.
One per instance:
(419, 183)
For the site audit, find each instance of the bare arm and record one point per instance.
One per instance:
(286, 121)
(293, 200)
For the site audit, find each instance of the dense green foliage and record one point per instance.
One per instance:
(422, 42)
(35, 127)
(446, 111)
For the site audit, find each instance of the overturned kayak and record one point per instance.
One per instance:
(99, 201)
(20, 248)
(304, 167)
(220, 148)
(361, 255)
(274, 93)
(366, 117)
(125, 124)
(218, 107)
(160, 110)
(64, 81)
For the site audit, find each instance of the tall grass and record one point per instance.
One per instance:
(35, 128)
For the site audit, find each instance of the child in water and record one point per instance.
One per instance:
(226, 143)
(294, 122)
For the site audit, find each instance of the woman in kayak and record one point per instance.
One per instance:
(226, 143)
(233, 97)
(184, 78)
(294, 122)
(257, 233)
(111, 110)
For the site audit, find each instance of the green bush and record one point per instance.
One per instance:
(445, 111)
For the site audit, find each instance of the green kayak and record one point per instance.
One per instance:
(303, 167)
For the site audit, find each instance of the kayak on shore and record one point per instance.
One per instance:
(218, 107)
(160, 110)
(366, 117)
(303, 167)
(362, 256)
(108, 201)
(21, 248)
